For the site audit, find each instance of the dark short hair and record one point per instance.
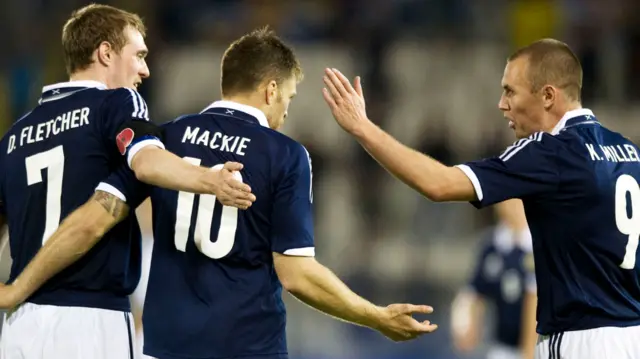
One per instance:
(254, 58)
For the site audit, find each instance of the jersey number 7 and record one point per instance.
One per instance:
(53, 161)
(202, 233)
(629, 226)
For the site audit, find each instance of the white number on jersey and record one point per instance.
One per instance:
(629, 226)
(202, 234)
(53, 161)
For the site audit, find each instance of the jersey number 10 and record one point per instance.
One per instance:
(629, 226)
(202, 233)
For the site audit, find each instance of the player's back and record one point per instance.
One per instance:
(586, 232)
(52, 160)
(213, 291)
(503, 273)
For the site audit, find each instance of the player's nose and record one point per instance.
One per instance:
(144, 72)
(502, 104)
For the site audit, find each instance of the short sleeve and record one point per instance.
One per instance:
(126, 123)
(527, 168)
(123, 184)
(292, 215)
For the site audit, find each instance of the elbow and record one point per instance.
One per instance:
(436, 193)
(291, 283)
(88, 234)
(142, 168)
(294, 272)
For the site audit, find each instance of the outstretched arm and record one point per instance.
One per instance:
(424, 174)
(316, 286)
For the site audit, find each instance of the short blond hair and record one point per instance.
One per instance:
(89, 26)
(551, 62)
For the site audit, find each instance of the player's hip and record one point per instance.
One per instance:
(596, 343)
(100, 299)
(34, 331)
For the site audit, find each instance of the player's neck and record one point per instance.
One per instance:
(247, 100)
(88, 75)
(557, 113)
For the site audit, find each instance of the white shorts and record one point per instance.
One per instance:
(503, 352)
(598, 343)
(51, 332)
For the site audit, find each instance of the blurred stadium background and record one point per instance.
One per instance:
(431, 72)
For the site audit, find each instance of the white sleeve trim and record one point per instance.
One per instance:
(105, 187)
(474, 180)
(140, 145)
(301, 252)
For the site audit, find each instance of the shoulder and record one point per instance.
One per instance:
(122, 94)
(539, 142)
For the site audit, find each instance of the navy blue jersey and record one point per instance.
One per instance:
(503, 274)
(579, 186)
(213, 291)
(51, 161)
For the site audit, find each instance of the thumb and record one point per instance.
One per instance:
(233, 166)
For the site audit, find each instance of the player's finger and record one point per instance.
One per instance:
(233, 166)
(426, 327)
(242, 195)
(243, 204)
(335, 94)
(240, 186)
(412, 308)
(358, 85)
(344, 81)
(328, 99)
(333, 77)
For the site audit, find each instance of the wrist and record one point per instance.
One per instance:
(375, 317)
(364, 131)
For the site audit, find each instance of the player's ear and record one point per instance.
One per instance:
(104, 53)
(549, 95)
(271, 92)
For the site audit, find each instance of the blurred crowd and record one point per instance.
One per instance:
(431, 73)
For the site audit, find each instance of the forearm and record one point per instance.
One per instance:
(75, 236)
(426, 175)
(319, 288)
(162, 168)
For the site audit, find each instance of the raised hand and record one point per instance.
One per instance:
(346, 102)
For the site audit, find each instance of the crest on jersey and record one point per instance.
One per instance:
(124, 139)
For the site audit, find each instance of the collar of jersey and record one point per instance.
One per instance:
(505, 239)
(237, 110)
(64, 89)
(574, 117)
